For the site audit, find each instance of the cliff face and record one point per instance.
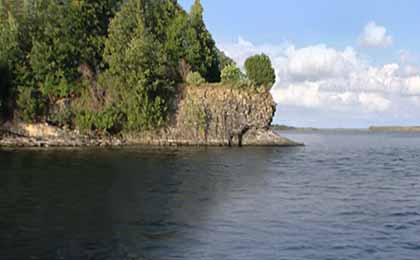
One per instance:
(224, 115)
(205, 115)
(220, 115)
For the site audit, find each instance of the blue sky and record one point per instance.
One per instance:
(339, 63)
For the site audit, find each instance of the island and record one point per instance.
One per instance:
(135, 72)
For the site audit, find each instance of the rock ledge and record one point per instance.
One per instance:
(210, 115)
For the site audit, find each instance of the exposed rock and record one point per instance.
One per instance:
(44, 135)
(219, 115)
(206, 115)
(35, 130)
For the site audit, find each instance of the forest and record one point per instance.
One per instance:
(109, 65)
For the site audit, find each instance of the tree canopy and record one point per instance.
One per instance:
(260, 71)
(116, 63)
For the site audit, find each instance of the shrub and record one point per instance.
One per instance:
(232, 74)
(245, 83)
(61, 118)
(110, 120)
(260, 71)
(56, 87)
(194, 78)
(30, 104)
(85, 121)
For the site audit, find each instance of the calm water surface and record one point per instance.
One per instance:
(343, 196)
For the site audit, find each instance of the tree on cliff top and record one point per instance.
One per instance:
(78, 50)
(205, 59)
(138, 64)
(260, 71)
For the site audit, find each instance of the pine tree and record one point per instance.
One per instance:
(206, 60)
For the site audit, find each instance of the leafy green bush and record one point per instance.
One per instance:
(30, 104)
(109, 121)
(56, 88)
(61, 118)
(245, 83)
(85, 121)
(260, 71)
(146, 115)
(231, 74)
(194, 78)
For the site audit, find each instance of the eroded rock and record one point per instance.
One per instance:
(206, 115)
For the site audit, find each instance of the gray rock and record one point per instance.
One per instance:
(207, 115)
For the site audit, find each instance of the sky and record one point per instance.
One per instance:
(339, 64)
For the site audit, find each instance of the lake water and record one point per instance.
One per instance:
(349, 195)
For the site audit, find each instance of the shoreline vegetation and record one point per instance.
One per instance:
(110, 70)
(390, 129)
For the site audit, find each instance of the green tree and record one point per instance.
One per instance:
(120, 70)
(232, 74)
(90, 20)
(53, 39)
(70, 34)
(260, 71)
(9, 56)
(138, 63)
(203, 58)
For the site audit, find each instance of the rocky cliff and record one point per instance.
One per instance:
(205, 115)
(220, 115)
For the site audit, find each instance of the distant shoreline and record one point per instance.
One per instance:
(405, 129)
(374, 129)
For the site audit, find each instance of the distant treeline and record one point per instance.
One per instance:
(370, 129)
(394, 128)
(108, 65)
(291, 128)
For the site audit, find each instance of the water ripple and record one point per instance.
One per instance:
(343, 196)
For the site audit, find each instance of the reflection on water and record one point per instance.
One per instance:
(343, 196)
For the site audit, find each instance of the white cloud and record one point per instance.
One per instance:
(375, 36)
(374, 102)
(306, 95)
(317, 62)
(335, 81)
(409, 62)
(413, 85)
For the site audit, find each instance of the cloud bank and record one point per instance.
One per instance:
(328, 81)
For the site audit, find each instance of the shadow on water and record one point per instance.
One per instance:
(131, 203)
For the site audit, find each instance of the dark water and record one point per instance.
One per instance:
(343, 196)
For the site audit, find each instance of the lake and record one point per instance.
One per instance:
(348, 195)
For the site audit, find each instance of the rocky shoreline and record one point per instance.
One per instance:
(210, 115)
(15, 138)
(12, 140)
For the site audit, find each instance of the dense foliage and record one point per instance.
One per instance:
(9, 53)
(104, 65)
(194, 78)
(232, 74)
(260, 71)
